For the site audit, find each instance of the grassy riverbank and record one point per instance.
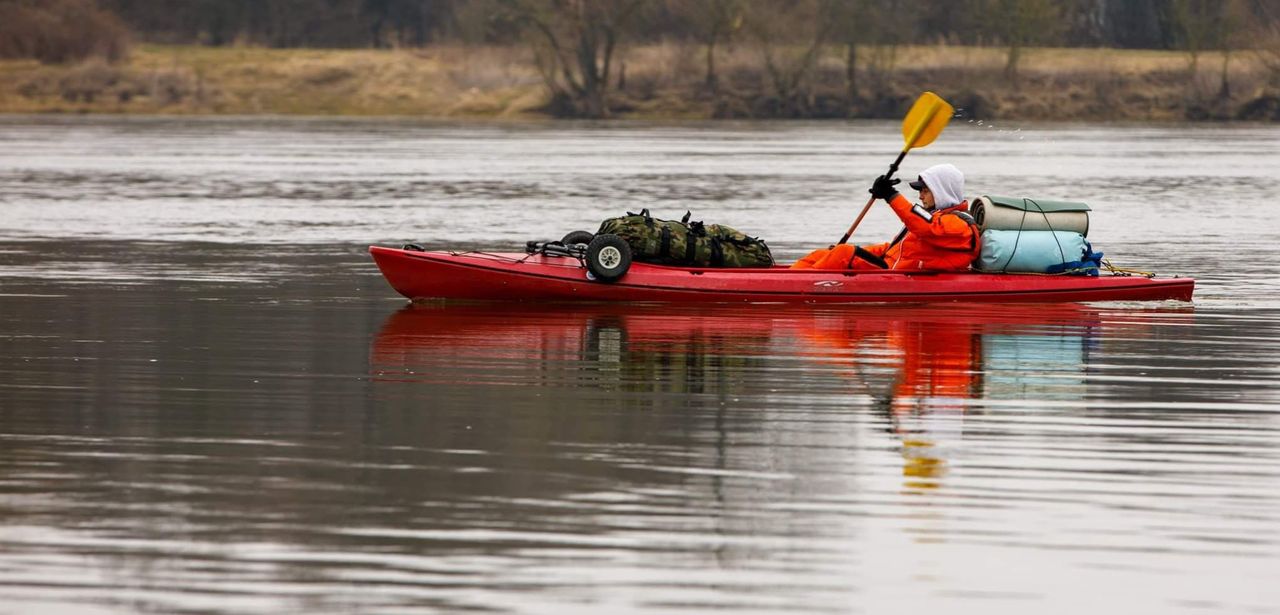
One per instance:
(661, 81)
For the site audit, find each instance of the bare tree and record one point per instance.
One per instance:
(1200, 25)
(1194, 22)
(851, 24)
(1267, 30)
(790, 34)
(1020, 24)
(875, 27)
(1231, 35)
(714, 22)
(574, 43)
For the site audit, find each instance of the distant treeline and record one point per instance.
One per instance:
(579, 46)
(1146, 24)
(1153, 24)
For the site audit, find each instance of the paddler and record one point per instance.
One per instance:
(939, 233)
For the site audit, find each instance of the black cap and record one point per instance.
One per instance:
(917, 184)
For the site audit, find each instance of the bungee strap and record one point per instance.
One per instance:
(1113, 270)
(540, 249)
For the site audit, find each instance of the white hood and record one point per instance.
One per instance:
(946, 182)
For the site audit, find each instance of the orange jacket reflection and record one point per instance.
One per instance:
(937, 357)
(937, 361)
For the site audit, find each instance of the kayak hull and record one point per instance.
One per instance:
(521, 277)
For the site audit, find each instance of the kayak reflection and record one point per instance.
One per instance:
(920, 368)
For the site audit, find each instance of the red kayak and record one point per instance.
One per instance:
(534, 277)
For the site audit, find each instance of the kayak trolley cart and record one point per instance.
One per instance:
(606, 256)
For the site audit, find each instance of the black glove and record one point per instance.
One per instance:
(883, 188)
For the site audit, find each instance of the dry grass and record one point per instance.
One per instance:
(662, 80)
(441, 81)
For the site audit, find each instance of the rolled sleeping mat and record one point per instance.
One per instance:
(1029, 251)
(1002, 213)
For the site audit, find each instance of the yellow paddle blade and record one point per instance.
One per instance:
(925, 121)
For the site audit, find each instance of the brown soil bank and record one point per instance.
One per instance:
(654, 82)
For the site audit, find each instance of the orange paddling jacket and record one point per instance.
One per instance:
(939, 240)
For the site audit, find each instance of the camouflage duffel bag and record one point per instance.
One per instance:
(685, 243)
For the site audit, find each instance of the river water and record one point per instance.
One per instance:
(211, 402)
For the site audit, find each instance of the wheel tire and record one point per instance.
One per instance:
(573, 237)
(608, 257)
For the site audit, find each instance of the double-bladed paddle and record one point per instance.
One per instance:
(923, 123)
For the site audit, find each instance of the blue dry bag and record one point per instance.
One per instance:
(1037, 252)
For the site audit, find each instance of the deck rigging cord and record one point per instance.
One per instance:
(1113, 270)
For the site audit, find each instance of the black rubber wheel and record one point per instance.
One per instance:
(608, 257)
(573, 237)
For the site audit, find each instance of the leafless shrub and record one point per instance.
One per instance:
(1268, 48)
(95, 82)
(92, 80)
(484, 67)
(60, 31)
(173, 87)
(329, 75)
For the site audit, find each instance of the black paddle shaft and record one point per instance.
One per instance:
(893, 168)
